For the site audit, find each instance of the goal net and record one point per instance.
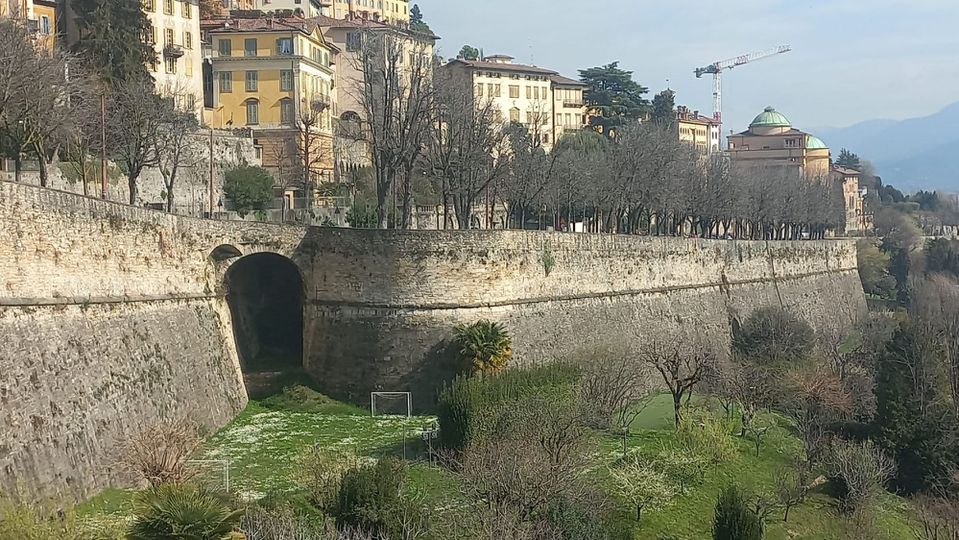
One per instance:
(391, 404)
(213, 474)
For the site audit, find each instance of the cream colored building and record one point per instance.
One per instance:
(391, 11)
(772, 141)
(700, 131)
(527, 95)
(309, 8)
(858, 221)
(176, 38)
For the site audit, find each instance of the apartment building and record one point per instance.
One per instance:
(858, 221)
(178, 70)
(41, 16)
(308, 8)
(389, 11)
(700, 131)
(275, 76)
(535, 97)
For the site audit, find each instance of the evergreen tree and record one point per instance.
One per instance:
(468, 52)
(664, 104)
(416, 16)
(734, 520)
(613, 97)
(113, 39)
(849, 160)
(909, 422)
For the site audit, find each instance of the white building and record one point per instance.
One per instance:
(176, 39)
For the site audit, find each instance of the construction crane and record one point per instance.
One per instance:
(716, 69)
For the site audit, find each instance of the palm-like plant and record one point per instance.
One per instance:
(172, 512)
(485, 346)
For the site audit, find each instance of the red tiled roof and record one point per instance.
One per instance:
(260, 24)
(566, 81)
(845, 171)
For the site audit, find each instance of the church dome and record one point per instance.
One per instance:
(815, 143)
(770, 118)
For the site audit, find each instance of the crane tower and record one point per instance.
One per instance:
(716, 69)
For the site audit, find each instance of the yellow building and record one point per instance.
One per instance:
(41, 16)
(702, 132)
(275, 76)
(772, 141)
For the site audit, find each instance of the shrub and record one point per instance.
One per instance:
(249, 188)
(484, 346)
(640, 482)
(159, 454)
(468, 406)
(185, 512)
(703, 434)
(320, 474)
(861, 469)
(21, 522)
(774, 338)
(734, 520)
(369, 497)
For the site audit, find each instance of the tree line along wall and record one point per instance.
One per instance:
(113, 318)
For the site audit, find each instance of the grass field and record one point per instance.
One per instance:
(262, 444)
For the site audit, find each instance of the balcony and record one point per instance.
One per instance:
(573, 103)
(173, 51)
(320, 103)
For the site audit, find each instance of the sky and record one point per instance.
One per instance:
(852, 60)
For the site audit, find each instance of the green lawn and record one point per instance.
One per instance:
(262, 443)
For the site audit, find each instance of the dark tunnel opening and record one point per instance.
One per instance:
(265, 295)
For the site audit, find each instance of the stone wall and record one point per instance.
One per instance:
(384, 303)
(114, 317)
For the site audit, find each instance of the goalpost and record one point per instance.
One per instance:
(406, 397)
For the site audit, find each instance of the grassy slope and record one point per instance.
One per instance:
(262, 443)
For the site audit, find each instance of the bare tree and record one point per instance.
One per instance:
(864, 468)
(681, 364)
(938, 518)
(135, 119)
(159, 454)
(816, 397)
(396, 97)
(175, 142)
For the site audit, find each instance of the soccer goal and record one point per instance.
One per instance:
(391, 404)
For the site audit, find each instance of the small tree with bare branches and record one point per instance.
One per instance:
(681, 364)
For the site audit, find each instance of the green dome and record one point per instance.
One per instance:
(770, 118)
(815, 143)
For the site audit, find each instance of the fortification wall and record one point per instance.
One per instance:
(384, 303)
(112, 318)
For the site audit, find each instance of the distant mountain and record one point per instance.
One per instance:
(913, 154)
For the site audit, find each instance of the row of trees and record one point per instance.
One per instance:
(81, 106)
(621, 176)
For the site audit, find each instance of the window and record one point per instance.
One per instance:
(479, 89)
(536, 92)
(226, 47)
(284, 46)
(514, 115)
(353, 41)
(249, 47)
(497, 90)
(286, 79)
(149, 5)
(168, 36)
(187, 9)
(226, 81)
(168, 7)
(514, 91)
(169, 63)
(252, 112)
(252, 79)
(188, 40)
(286, 111)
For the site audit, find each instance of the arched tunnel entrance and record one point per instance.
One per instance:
(265, 295)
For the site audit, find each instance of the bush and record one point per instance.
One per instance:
(774, 339)
(320, 473)
(468, 406)
(860, 470)
(734, 520)
(249, 188)
(484, 346)
(186, 512)
(369, 497)
(160, 453)
(21, 522)
(703, 434)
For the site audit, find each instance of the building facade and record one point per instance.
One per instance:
(176, 38)
(529, 95)
(702, 132)
(40, 16)
(389, 11)
(858, 220)
(771, 141)
(275, 78)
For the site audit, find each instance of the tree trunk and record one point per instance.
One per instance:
(17, 168)
(677, 407)
(132, 185)
(42, 163)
